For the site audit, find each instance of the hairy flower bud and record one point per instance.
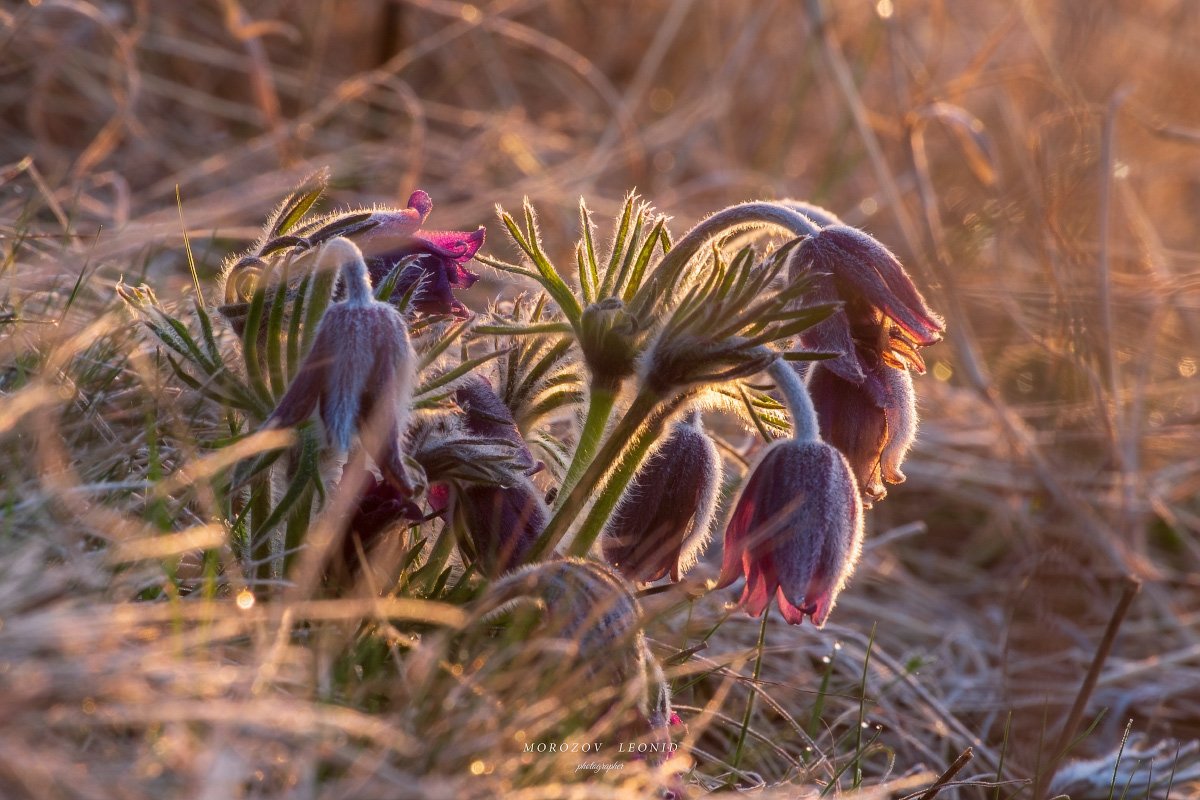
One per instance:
(359, 370)
(501, 524)
(486, 415)
(662, 523)
(796, 531)
(608, 337)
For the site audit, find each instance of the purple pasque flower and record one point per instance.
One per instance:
(662, 522)
(360, 371)
(864, 397)
(437, 268)
(501, 524)
(796, 531)
(487, 416)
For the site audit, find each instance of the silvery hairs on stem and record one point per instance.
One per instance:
(360, 370)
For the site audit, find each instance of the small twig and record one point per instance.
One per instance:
(941, 783)
(1071, 727)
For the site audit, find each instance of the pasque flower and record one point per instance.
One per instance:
(359, 370)
(864, 396)
(501, 523)
(662, 522)
(486, 416)
(796, 530)
(498, 516)
(437, 259)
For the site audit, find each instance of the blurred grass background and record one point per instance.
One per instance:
(1036, 166)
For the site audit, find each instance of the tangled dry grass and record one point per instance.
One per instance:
(1035, 164)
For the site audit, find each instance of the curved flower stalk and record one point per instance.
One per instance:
(796, 529)
(662, 522)
(864, 396)
(360, 371)
(719, 331)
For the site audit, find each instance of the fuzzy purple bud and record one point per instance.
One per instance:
(486, 415)
(662, 523)
(501, 524)
(359, 370)
(796, 531)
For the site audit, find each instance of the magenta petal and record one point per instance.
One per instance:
(736, 532)
(420, 202)
(760, 584)
(458, 245)
(793, 615)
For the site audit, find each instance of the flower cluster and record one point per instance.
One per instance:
(552, 447)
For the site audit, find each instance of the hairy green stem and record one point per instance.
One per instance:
(800, 405)
(576, 498)
(600, 405)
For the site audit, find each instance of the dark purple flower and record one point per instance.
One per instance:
(440, 256)
(359, 371)
(381, 507)
(501, 524)
(488, 417)
(796, 531)
(662, 522)
(864, 397)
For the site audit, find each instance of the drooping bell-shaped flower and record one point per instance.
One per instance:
(864, 397)
(662, 522)
(796, 529)
(359, 371)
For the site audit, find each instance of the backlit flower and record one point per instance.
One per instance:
(438, 265)
(864, 397)
(796, 531)
(359, 371)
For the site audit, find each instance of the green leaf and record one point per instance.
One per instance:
(294, 322)
(443, 344)
(458, 372)
(523, 330)
(275, 354)
(383, 292)
(250, 352)
(299, 203)
(618, 247)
